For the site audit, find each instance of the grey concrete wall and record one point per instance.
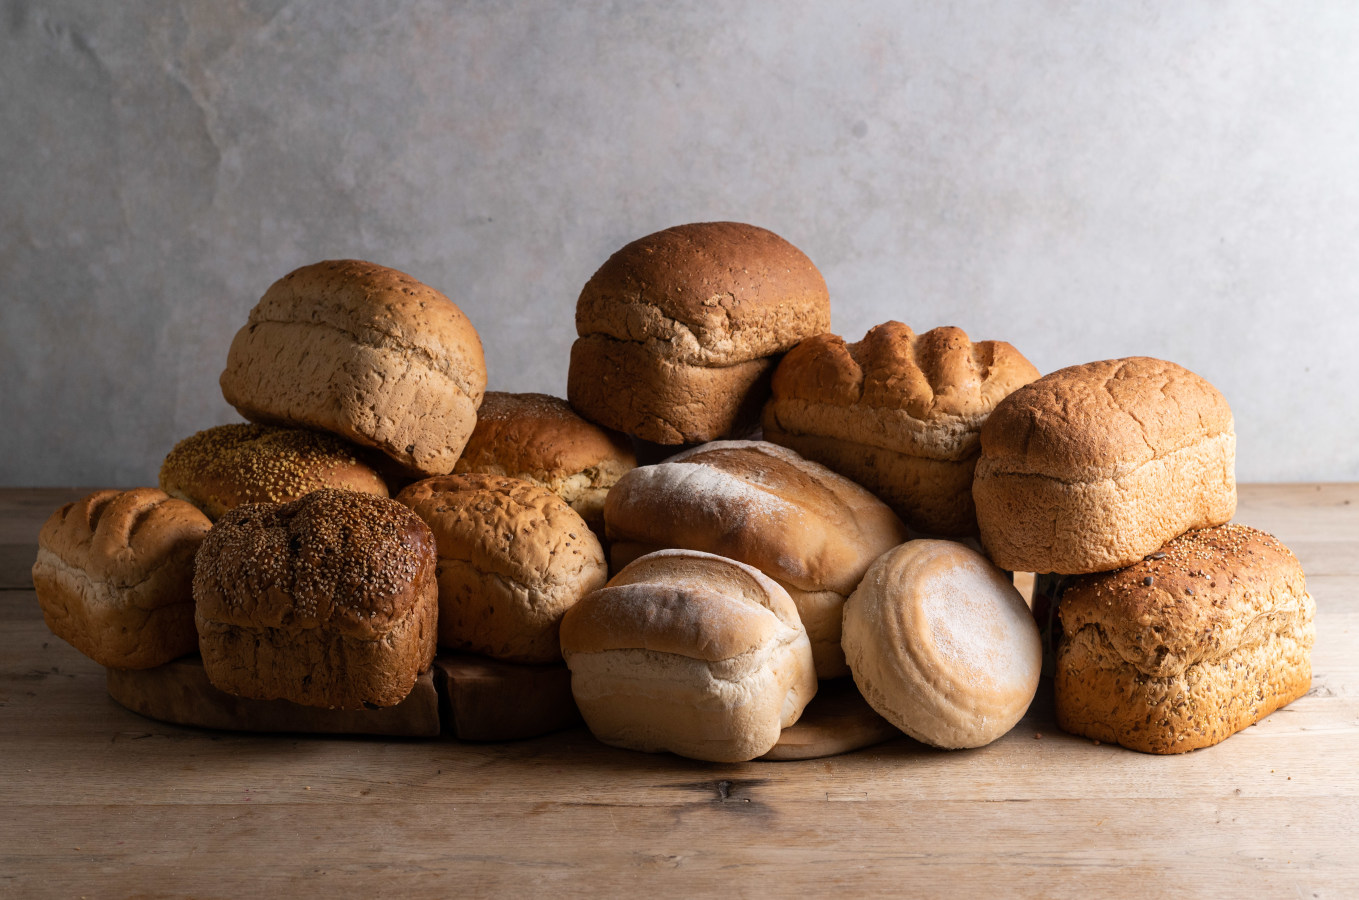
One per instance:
(1084, 180)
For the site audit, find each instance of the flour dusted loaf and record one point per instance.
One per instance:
(1094, 466)
(679, 330)
(114, 576)
(1181, 650)
(898, 412)
(811, 530)
(366, 352)
(220, 468)
(327, 601)
(942, 645)
(513, 557)
(539, 438)
(691, 653)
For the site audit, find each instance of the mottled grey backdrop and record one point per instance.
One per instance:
(1084, 180)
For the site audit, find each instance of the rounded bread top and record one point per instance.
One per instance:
(762, 504)
(924, 394)
(1201, 597)
(542, 436)
(709, 293)
(378, 305)
(120, 537)
(350, 563)
(1101, 420)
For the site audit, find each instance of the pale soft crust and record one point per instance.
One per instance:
(327, 601)
(539, 438)
(811, 530)
(114, 576)
(689, 653)
(1092, 467)
(366, 352)
(942, 645)
(1219, 639)
(513, 558)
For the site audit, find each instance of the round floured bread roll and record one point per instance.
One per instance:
(942, 645)
(690, 653)
(220, 468)
(366, 352)
(326, 601)
(114, 576)
(541, 439)
(513, 557)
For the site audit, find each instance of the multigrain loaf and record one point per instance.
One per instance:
(327, 601)
(1182, 649)
(1094, 466)
(811, 530)
(513, 557)
(898, 412)
(679, 330)
(114, 576)
(690, 653)
(366, 352)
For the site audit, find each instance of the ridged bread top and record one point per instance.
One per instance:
(1101, 420)
(543, 436)
(707, 294)
(922, 394)
(120, 537)
(380, 306)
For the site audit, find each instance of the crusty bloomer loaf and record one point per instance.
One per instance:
(513, 557)
(326, 601)
(1206, 636)
(811, 530)
(114, 576)
(898, 412)
(1094, 466)
(680, 329)
(366, 352)
(691, 653)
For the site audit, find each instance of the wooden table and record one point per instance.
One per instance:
(99, 802)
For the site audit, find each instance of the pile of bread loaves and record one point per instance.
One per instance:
(380, 504)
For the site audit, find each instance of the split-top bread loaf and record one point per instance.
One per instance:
(680, 329)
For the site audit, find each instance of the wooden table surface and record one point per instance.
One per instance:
(98, 802)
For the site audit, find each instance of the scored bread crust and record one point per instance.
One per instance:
(898, 412)
(327, 601)
(366, 352)
(1094, 466)
(1186, 647)
(513, 557)
(690, 653)
(114, 576)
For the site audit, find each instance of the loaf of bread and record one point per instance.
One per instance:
(326, 601)
(691, 653)
(1094, 466)
(899, 413)
(366, 352)
(513, 557)
(680, 330)
(538, 438)
(114, 576)
(220, 468)
(811, 530)
(942, 645)
(1184, 648)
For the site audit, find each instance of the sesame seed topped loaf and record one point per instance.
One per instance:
(1094, 466)
(326, 601)
(898, 412)
(220, 468)
(366, 352)
(679, 330)
(114, 576)
(1182, 649)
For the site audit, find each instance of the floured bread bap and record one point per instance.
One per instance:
(691, 653)
(942, 645)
